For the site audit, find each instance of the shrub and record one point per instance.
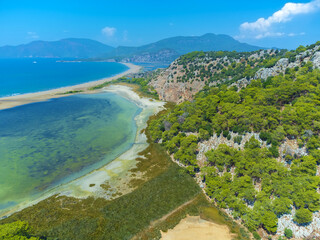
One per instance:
(229, 137)
(225, 133)
(265, 136)
(300, 142)
(274, 150)
(303, 216)
(237, 139)
(288, 233)
(256, 236)
(219, 131)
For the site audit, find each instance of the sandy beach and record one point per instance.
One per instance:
(14, 101)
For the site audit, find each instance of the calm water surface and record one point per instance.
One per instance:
(43, 144)
(18, 76)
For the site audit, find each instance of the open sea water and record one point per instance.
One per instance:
(27, 75)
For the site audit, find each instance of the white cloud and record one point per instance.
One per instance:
(32, 35)
(263, 26)
(296, 34)
(270, 34)
(109, 31)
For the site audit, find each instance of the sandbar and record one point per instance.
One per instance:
(14, 101)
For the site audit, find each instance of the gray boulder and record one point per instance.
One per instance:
(316, 60)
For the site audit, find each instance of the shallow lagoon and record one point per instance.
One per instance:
(45, 144)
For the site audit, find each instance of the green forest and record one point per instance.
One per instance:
(252, 182)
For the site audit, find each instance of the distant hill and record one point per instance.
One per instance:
(171, 48)
(65, 48)
(164, 51)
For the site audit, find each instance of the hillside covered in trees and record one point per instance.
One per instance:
(259, 180)
(194, 71)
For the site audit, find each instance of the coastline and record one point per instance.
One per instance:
(18, 100)
(116, 173)
(91, 184)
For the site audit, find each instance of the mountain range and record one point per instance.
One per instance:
(65, 48)
(165, 50)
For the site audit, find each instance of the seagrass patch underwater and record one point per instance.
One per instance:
(48, 143)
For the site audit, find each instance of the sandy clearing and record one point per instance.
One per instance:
(192, 228)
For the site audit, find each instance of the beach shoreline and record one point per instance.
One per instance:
(18, 100)
(81, 187)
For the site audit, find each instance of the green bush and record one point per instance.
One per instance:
(218, 132)
(225, 133)
(288, 233)
(275, 151)
(229, 137)
(265, 136)
(303, 216)
(256, 236)
(237, 139)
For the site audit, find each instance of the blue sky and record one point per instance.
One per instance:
(133, 23)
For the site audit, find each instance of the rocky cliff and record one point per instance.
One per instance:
(169, 88)
(311, 55)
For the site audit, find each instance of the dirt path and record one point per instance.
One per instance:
(154, 223)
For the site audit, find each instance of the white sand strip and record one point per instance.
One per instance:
(14, 101)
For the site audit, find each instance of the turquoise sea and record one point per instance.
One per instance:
(18, 76)
(48, 143)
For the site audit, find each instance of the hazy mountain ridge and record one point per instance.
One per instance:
(179, 46)
(164, 51)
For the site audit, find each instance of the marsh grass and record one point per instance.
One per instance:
(61, 217)
(70, 92)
